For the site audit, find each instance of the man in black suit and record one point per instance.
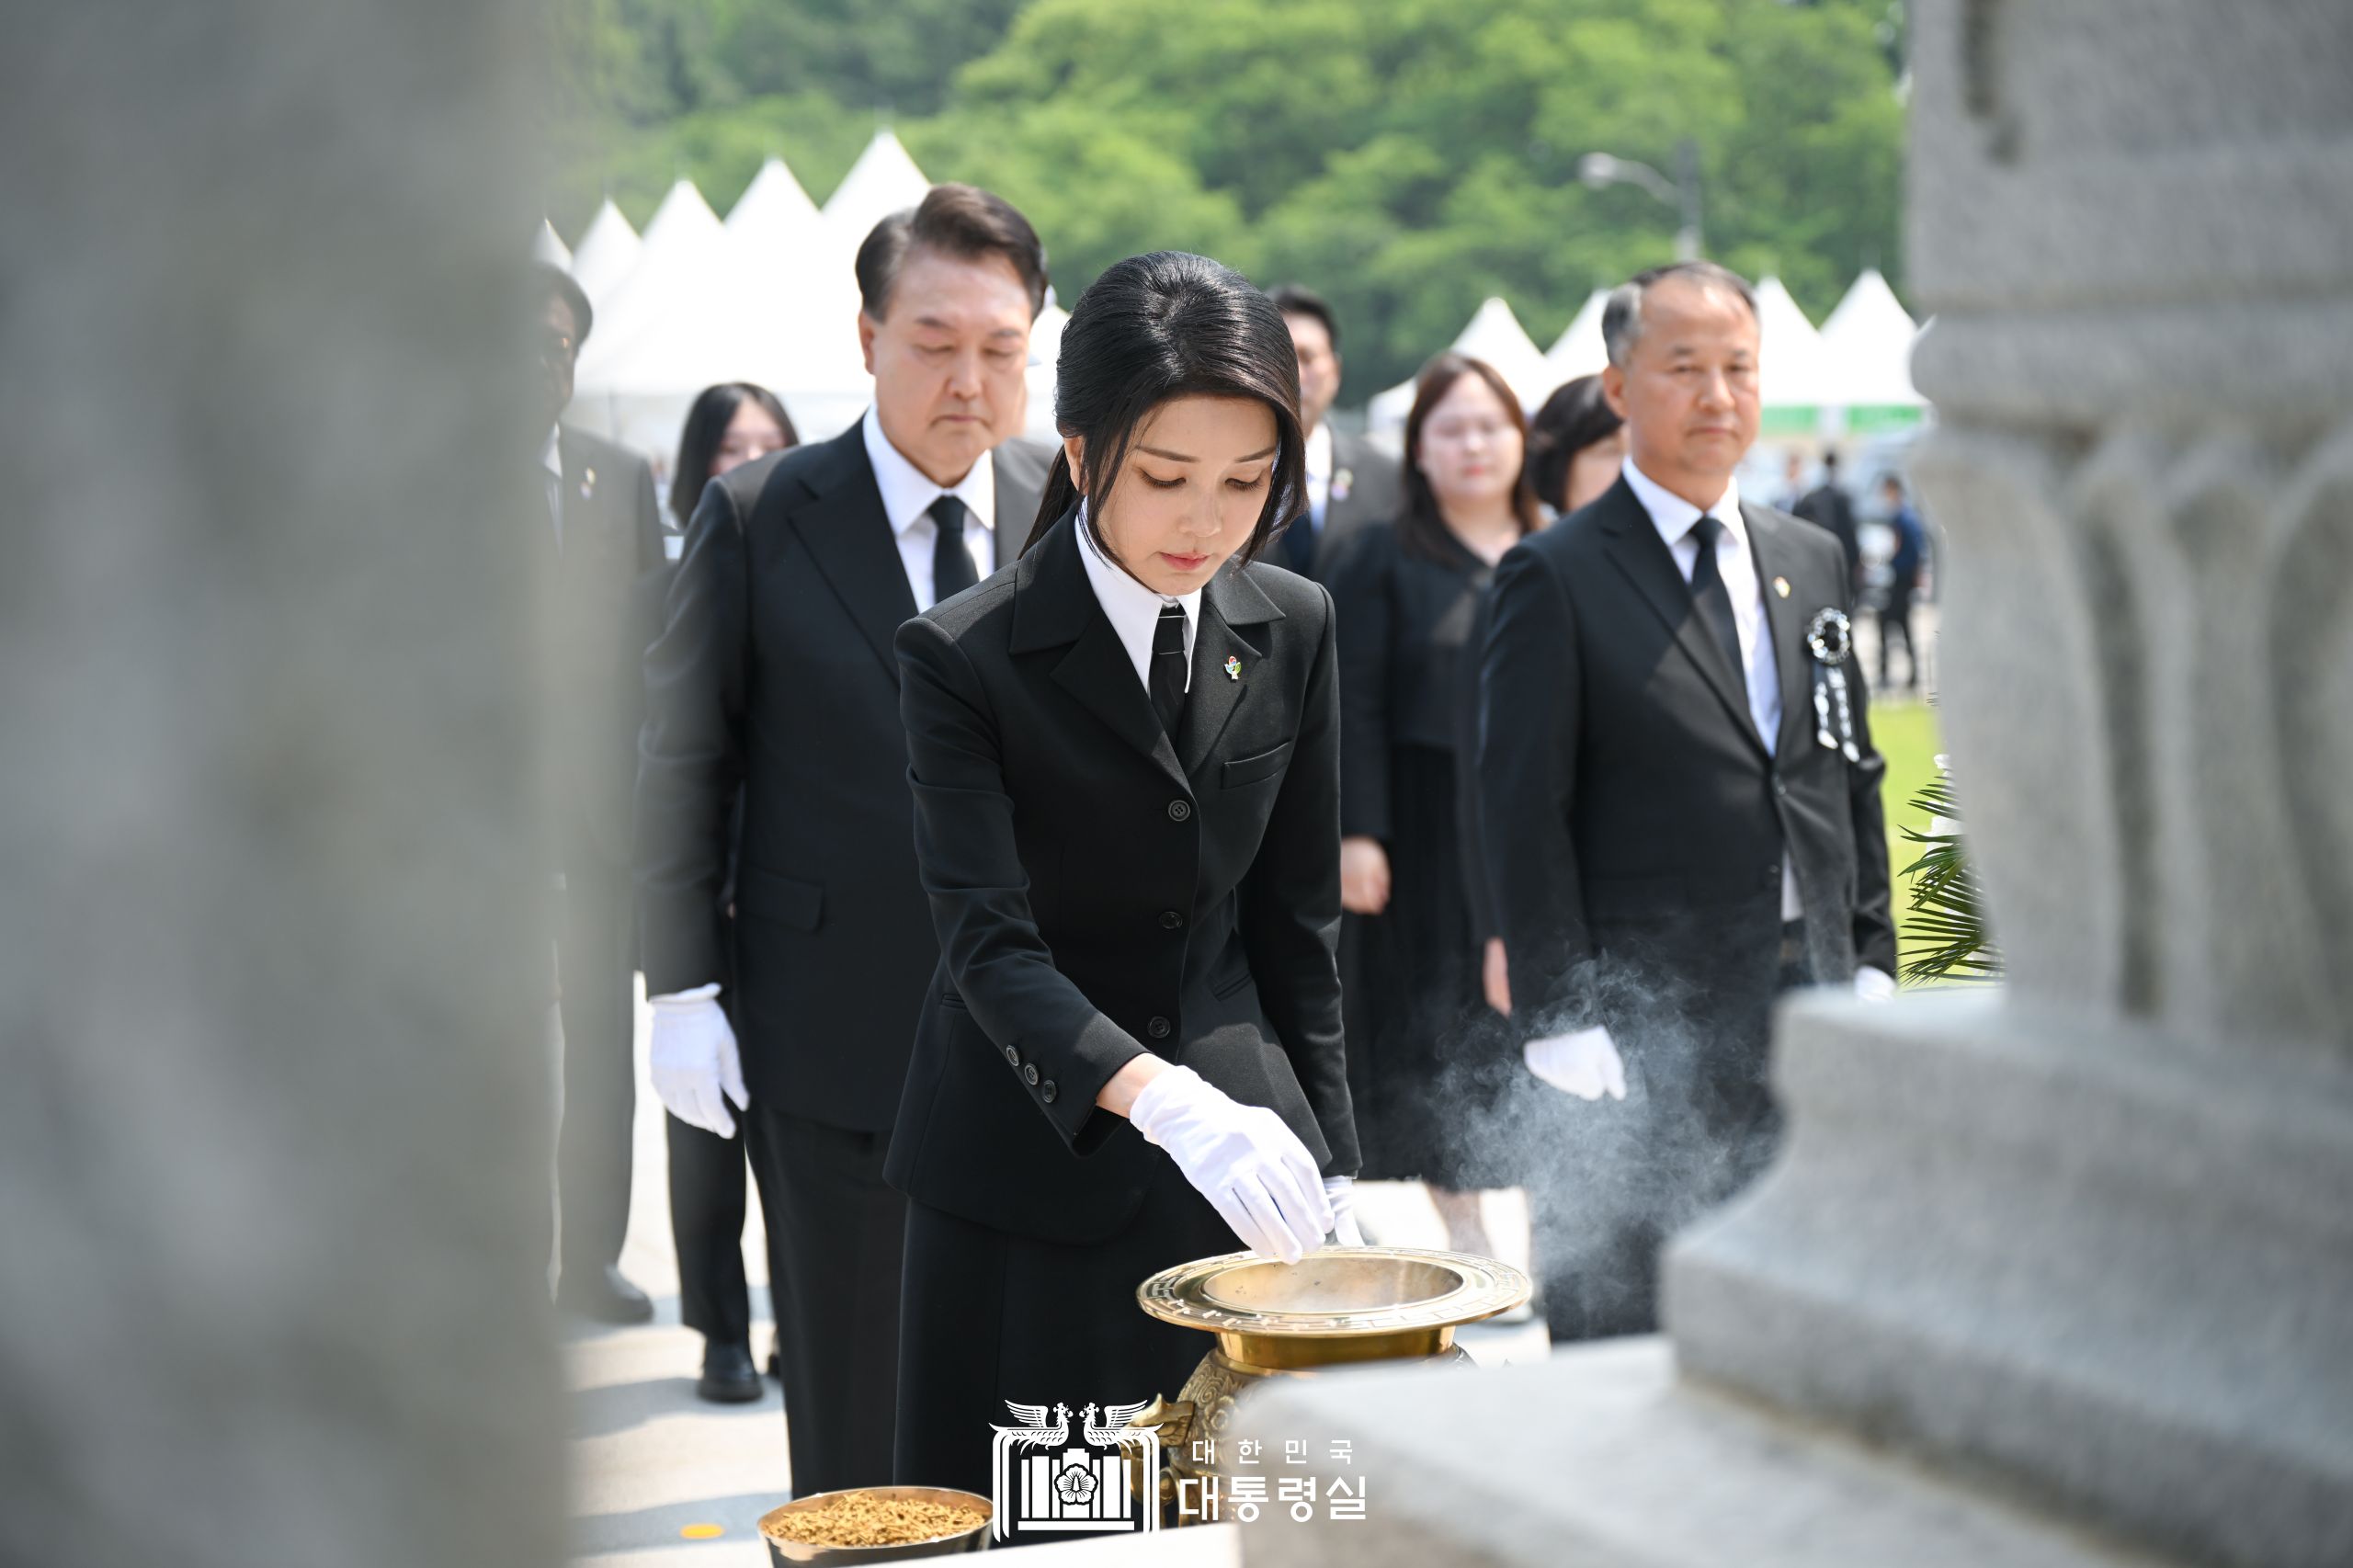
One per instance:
(1826, 505)
(1677, 829)
(1350, 480)
(606, 539)
(775, 670)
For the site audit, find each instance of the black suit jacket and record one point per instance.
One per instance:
(1827, 506)
(774, 675)
(608, 577)
(1634, 824)
(1100, 892)
(1364, 490)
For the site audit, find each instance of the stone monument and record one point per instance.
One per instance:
(274, 1212)
(2060, 1273)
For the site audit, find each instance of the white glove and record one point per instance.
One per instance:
(1340, 1192)
(1874, 984)
(695, 1067)
(1253, 1169)
(1584, 1063)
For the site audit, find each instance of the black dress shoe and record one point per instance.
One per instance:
(603, 1294)
(728, 1375)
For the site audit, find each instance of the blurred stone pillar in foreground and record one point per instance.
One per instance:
(2084, 1245)
(273, 1127)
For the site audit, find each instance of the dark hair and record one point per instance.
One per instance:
(1420, 528)
(1572, 418)
(961, 221)
(1621, 318)
(1299, 300)
(566, 288)
(1830, 460)
(1160, 326)
(714, 410)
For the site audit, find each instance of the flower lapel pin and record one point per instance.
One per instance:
(1232, 668)
(1781, 586)
(587, 483)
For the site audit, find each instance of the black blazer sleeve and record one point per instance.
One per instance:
(980, 893)
(691, 753)
(1290, 909)
(1530, 713)
(1364, 608)
(1469, 816)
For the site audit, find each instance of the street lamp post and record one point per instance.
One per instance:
(1682, 193)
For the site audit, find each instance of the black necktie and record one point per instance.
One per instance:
(1168, 681)
(951, 564)
(1708, 592)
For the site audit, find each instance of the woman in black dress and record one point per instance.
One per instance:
(1407, 594)
(1125, 756)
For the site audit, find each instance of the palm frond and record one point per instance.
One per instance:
(1946, 935)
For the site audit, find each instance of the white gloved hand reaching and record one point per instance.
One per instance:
(1584, 1063)
(1243, 1158)
(1340, 1192)
(696, 1069)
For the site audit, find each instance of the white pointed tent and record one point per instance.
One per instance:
(1045, 343)
(1792, 387)
(1867, 352)
(884, 180)
(606, 252)
(1493, 335)
(783, 248)
(1579, 350)
(774, 214)
(548, 246)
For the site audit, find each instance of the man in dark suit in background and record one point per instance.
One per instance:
(1350, 480)
(1673, 833)
(607, 557)
(1827, 505)
(775, 670)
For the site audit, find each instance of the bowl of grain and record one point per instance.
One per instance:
(875, 1524)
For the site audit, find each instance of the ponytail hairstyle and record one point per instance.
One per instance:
(1162, 326)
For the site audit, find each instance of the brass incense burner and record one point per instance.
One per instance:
(1337, 1307)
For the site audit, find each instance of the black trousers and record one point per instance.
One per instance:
(988, 1317)
(707, 1210)
(1894, 622)
(595, 969)
(1696, 1126)
(835, 1235)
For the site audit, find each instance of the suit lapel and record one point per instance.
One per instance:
(1209, 705)
(1635, 549)
(848, 535)
(1020, 483)
(1055, 605)
(1768, 545)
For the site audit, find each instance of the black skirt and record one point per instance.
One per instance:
(986, 1316)
(1429, 1061)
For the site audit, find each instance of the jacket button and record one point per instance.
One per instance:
(1157, 1028)
(1772, 877)
(1012, 1054)
(1170, 920)
(1780, 789)
(1179, 810)
(1030, 1074)
(1046, 1092)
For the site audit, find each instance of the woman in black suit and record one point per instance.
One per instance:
(1407, 593)
(1125, 756)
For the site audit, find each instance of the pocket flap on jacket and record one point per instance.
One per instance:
(1250, 770)
(764, 895)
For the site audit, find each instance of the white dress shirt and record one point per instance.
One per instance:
(552, 459)
(1318, 455)
(907, 496)
(1736, 564)
(1134, 609)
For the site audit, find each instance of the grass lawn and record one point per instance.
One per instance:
(1906, 736)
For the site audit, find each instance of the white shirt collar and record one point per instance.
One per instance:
(908, 491)
(551, 458)
(1318, 452)
(1673, 515)
(1134, 609)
